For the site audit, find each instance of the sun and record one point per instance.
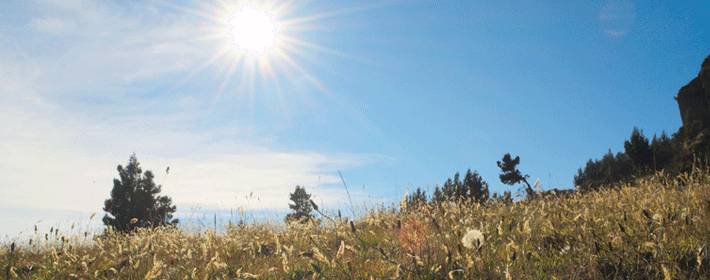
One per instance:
(252, 30)
(264, 49)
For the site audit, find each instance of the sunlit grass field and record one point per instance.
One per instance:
(658, 228)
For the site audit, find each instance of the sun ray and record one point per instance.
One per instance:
(301, 20)
(256, 74)
(191, 74)
(330, 51)
(306, 75)
(280, 96)
(196, 12)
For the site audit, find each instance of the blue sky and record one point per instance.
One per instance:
(396, 95)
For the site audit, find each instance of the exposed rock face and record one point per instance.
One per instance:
(694, 105)
(694, 98)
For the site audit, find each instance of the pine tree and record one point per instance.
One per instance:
(512, 175)
(507, 197)
(449, 189)
(663, 152)
(471, 188)
(416, 199)
(474, 187)
(606, 171)
(438, 196)
(638, 150)
(134, 201)
(301, 206)
(462, 189)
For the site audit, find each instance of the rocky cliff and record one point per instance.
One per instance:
(694, 105)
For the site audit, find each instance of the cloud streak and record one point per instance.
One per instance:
(58, 160)
(68, 118)
(82, 47)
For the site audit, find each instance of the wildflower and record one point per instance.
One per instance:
(473, 239)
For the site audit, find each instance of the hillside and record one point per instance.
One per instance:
(657, 228)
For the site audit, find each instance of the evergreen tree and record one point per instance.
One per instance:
(663, 152)
(301, 206)
(638, 150)
(511, 175)
(507, 197)
(474, 187)
(459, 191)
(438, 196)
(449, 189)
(608, 170)
(135, 201)
(416, 199)
(639, 158)
(471, 188)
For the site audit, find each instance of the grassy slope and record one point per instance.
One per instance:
(658, 228)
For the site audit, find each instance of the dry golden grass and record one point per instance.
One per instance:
(657, 228)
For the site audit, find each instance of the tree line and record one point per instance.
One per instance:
(473, 189)
(135, 201)
(640, 158)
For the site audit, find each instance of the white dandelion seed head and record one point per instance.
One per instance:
(657, 218)
(473, 239)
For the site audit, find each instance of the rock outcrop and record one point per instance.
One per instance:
(694, 105)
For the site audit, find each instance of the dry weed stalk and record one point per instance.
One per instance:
(657, 227)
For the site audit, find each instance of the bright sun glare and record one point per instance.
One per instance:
(252, 30)
(260, 44)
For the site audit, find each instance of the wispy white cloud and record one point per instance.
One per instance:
(89, 55)
(66, 4)
(57, 160)
(53, 25)
(100, 47)
(69, 154)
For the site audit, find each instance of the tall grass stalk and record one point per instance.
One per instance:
(655, 227)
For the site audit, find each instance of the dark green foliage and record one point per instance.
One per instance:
(511, 175)
(663, 151)
(438, 196)
(135, 195)
(639, 159)
(474, 187)
(449, 188)
(639, 151)
(471, 188)
(507, 197)
(416, 199)
(301, 206)
(608, 170)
